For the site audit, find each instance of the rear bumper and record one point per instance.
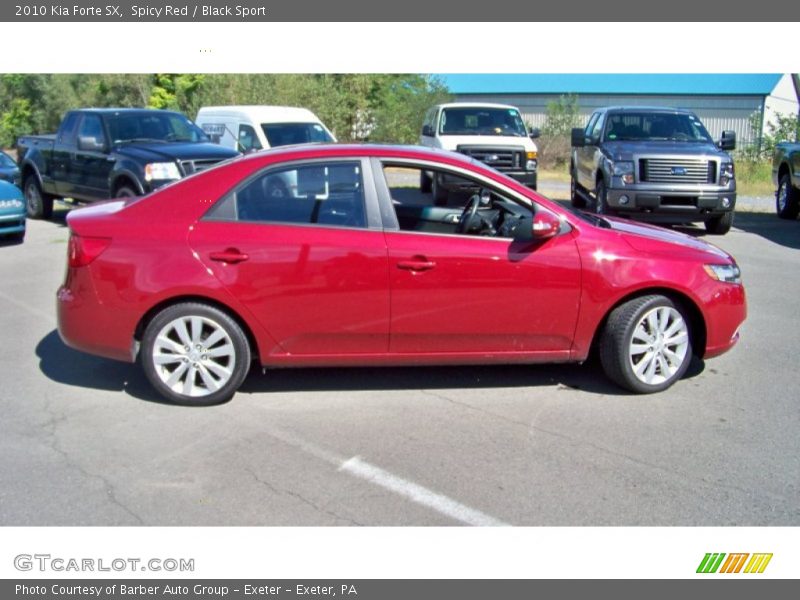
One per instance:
(85, 324)
(666, 206)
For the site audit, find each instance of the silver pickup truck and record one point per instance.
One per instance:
(654, 164)
(786, 177)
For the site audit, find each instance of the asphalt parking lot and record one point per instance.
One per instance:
(84, 441)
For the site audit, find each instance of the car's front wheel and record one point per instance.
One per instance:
(720, 225)
(195, 354)
(646, 344)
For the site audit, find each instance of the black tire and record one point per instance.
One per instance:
(576, 199)
(720, 225)
(601, 198)
(616, 344)
(440, 194)
(125, 191)
(214, 320)
(38, 204)
(787, 199)
(425, 182)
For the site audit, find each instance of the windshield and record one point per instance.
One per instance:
(6, 161)
(153, 126)
(655, 126)
(285, 134)
(482, 121)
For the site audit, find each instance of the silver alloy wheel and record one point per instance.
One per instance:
(783, 196)
(658, 345)
(194, 356)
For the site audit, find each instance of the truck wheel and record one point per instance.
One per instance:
(575, 197)
(440, 194)
(195, 354)
(646, 344)
(601, 198)
(787, 203)
(424, 182)
(720, 225)
(38, 204)
(125, 191)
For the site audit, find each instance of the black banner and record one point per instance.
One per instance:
(677, 11)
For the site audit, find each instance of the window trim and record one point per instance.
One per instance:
(371, 206)
(391, 223)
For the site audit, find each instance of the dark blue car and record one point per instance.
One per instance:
(12, 212)
(9, 171)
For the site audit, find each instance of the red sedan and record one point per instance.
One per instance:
(335, 256)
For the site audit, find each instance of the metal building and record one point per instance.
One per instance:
(722, 101)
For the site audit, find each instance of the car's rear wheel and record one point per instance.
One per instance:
(195, 354)
(787, 203)
(646, 344)
(38, 204)
(720, 225)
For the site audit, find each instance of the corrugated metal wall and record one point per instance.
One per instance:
(716, 112)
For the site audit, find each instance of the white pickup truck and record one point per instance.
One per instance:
(494, 134)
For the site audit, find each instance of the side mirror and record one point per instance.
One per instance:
(90, 144)
(578, 138)
(535, 133)
(728, 140)
(543, 226)
(427, 131)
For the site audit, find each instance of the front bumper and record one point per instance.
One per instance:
(670, 205)
(12, 222)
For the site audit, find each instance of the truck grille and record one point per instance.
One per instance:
(195, 166)
(501, 158)
(677, 170)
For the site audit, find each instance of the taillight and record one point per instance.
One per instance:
(83, 250)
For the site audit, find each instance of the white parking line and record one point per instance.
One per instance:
(357, 467)
(419, 494)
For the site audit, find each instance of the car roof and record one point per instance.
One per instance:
(262, 114)
(661, 109)
(366, 150)
(476, 105)
(129, 111)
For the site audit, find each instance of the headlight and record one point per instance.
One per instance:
(725, 273)
(12, 203)
(624, 169)
(726, 174)
(165, 170)
(532, 161)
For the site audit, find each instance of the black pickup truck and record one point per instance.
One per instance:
(111, 152)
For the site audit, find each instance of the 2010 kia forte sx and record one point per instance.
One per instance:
(334, 256)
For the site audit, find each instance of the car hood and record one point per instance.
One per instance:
(658, 240)
(622, 150)
(175, 151)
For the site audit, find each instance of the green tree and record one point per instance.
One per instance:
(555, 144)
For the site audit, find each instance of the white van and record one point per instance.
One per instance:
(250, 128)
(491, 133)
